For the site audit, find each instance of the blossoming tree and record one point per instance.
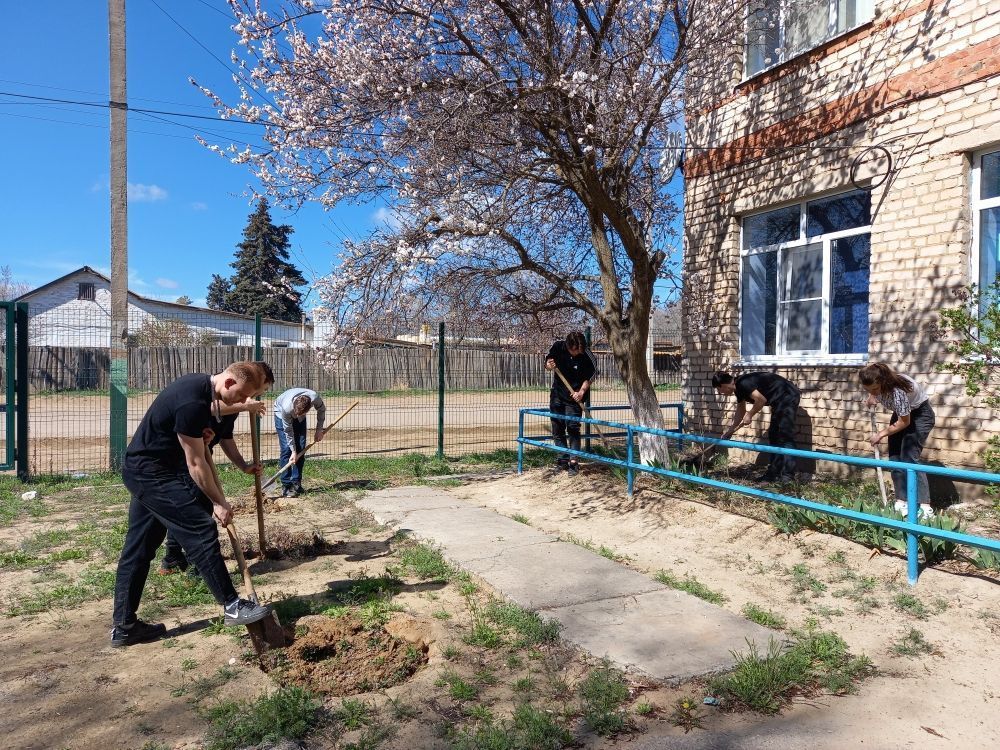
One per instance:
(525, 145)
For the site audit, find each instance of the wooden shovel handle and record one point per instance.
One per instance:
(600, 432)
(241, 561)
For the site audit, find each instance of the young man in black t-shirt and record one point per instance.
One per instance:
(167, 472)
(578, 367)
(221, 429)
(764, 389)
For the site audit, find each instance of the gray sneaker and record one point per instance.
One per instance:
(245, 612)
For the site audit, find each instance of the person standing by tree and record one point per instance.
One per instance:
(167, 471)
(290, 409)
(764, 389)
(909, 426)
(578, 366)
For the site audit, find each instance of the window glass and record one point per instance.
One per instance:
(850, 259)
(764, 36)
(759, 304)
(804, 299)
(989, 176)
(989, 245)
(806, 24)
(771, 228)
(838, 212)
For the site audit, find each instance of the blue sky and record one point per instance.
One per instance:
(187, 206)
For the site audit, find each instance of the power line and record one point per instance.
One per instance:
(103, 94)
(217, 10)
(215, 57)
(91, 125)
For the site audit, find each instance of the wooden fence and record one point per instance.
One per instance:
(53, 368)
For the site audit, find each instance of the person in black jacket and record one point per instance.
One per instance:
(578, 366)
(764, 389)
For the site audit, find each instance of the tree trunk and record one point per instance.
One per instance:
(628, 345)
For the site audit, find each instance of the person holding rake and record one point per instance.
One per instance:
(577, 365)
(909, 426)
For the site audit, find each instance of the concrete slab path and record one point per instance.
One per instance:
(603, 607)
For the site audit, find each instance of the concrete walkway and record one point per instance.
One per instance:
(603, 607)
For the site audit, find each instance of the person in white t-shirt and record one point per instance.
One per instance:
(911, 422)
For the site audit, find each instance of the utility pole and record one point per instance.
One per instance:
(119, 235)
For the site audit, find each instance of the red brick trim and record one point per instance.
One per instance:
(945, 74)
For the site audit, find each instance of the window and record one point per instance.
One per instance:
(221, 340)
(804, 279)
(85, 291)
(279, 344)
(986, 218)
(778, 30)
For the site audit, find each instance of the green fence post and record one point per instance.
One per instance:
(21, 388)
(258, 351)
(440, 452)
(586, 398)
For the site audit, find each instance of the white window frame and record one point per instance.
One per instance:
(979, 205)
(808, 357)
(864, 12)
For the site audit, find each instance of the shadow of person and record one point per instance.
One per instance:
(943, 491)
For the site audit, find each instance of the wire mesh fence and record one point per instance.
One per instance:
(418, 393)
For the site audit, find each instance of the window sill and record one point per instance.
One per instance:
(824, 360)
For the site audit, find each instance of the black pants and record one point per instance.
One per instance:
(163, 499)
(907, 445)
(781, 430)
(559, 404)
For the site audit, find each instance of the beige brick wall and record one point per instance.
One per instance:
(921, 229)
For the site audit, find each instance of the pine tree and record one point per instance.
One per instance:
(265, 280)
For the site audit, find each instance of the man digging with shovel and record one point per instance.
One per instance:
(172, 483)
(578, 369)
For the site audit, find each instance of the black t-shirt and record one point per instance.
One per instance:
(771, 386)
(182, 408)
(576, 369)
(223, 428)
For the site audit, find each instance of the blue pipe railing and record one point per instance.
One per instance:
(911, 527)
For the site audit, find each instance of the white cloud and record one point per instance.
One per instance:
(140, 193)
(199, 206)
(167, 283)
(386, 216)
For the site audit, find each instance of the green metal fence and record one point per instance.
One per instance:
(430, 391)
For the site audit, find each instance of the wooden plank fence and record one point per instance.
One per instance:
(54, 368)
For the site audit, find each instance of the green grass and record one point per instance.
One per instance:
(423, 562)
(528, 628)
(911, 605)
(93, 583)
(528, 729)
(766, 682)
(690, 585)
(764, 617)
(458, 689)
(353, 713)
(521, 518)
(286, 714)
(803, 581)
(603, 693)
(913, 643)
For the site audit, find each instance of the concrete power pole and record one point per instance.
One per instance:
(119, 235)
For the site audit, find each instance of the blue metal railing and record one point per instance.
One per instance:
(676, 405)
(910, 526)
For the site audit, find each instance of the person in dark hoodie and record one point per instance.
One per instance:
(578, 366)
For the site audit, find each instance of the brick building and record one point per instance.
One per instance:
(842, 181)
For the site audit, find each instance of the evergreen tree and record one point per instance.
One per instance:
(265, 280)
(183, 300)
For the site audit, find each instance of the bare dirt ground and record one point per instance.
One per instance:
(69, 432)
(61, 686)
